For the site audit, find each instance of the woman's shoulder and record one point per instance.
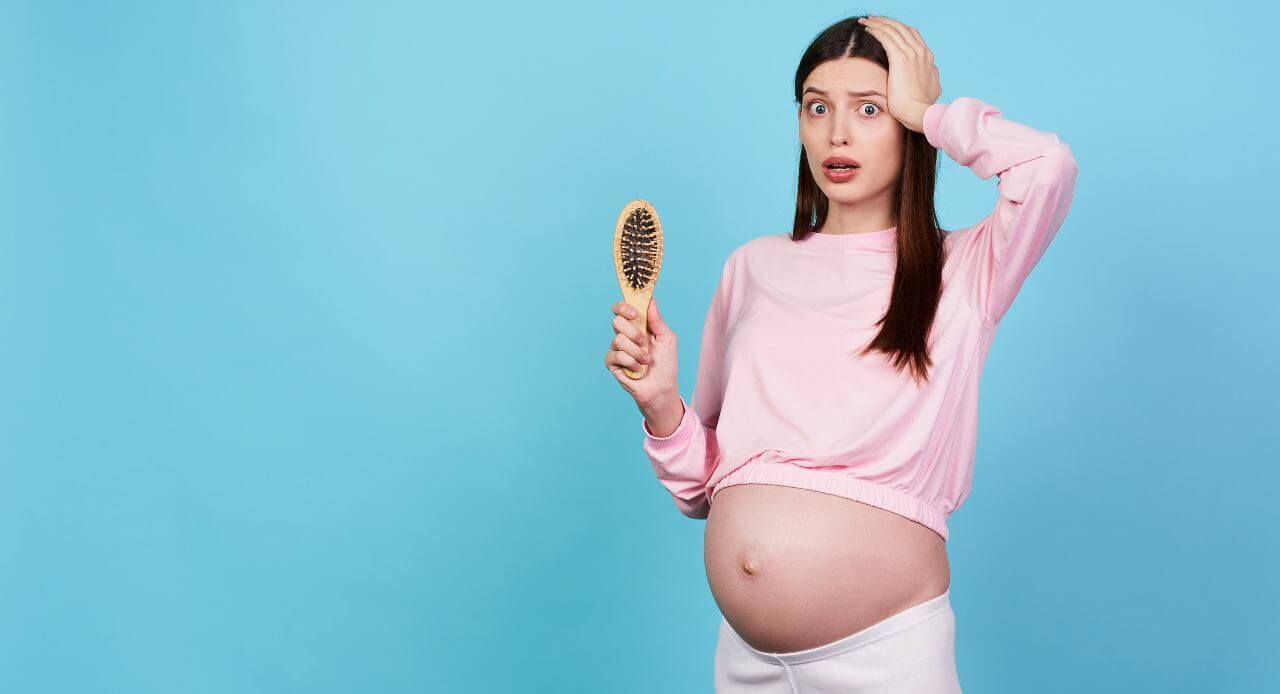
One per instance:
(760, 244)
(756, 247)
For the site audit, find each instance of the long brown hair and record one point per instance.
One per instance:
(917, 281)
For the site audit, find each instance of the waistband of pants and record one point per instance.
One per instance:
(886, 627)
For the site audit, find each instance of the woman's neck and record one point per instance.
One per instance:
(851, 219)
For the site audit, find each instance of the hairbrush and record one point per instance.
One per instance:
(637, 257)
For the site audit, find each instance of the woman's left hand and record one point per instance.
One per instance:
(913, 78)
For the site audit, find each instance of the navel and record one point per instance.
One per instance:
(751, 565)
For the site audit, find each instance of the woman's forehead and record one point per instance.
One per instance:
(848, 74)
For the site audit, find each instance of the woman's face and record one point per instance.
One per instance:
(834, 121)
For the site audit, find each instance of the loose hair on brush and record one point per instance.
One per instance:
(917, 281)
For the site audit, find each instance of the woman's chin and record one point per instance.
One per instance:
(843, 197)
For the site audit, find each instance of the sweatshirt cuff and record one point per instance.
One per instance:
(932, 116)
(676, 438)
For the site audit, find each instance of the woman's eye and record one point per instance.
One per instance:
(868, 108)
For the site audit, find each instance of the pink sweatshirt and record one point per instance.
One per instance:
(782, 398)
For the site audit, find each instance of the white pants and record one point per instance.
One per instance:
(911, 652)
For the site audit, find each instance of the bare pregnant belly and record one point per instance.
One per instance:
(793, 568)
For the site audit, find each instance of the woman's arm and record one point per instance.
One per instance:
(685, 459)
(1037, 180)
(1037, 172)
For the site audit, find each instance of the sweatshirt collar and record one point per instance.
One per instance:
(881, 239)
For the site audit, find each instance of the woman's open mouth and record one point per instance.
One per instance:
(839, 169)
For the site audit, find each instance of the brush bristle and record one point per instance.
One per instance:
(639, 245)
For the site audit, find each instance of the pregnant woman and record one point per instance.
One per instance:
(833, 423)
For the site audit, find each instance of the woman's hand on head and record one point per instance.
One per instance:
(630, 347)
(913, 78)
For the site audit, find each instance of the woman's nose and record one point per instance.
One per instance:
(839, 133)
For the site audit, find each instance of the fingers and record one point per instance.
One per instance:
(908, 34)
(630, 346)
(625, 310)
(921, 46)
(624, 352)
(892, 42)
(913, 76)
(620, 358)
(654, 320)
(624, 326)
(912, 36)
(636, 348)
(891, 35)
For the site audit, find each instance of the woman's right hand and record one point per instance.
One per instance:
(630, 348)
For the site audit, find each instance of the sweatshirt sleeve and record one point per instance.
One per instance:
(684, 460)
(1037, 176)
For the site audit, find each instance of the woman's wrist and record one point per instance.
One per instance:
(914, 119)
(662, 415)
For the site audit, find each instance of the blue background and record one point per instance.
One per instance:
(303, 311)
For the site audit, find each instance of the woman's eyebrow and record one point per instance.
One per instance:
(869, 92)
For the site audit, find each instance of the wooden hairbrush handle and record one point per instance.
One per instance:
(637, 259)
